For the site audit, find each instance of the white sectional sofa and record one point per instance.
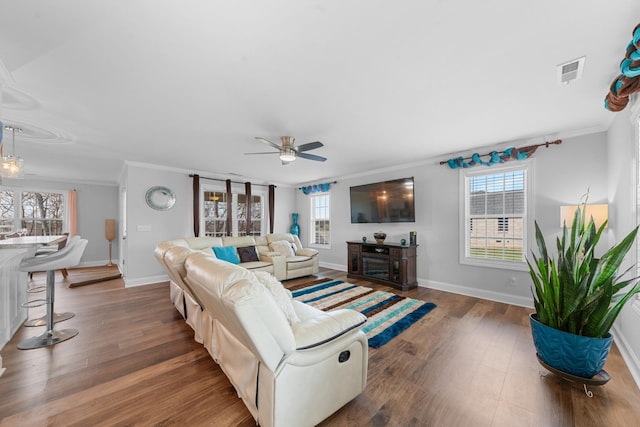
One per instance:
(271, 253)
(291, 364)
(171, 254)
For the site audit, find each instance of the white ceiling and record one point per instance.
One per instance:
(189, 84)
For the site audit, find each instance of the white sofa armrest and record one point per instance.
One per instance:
(325, 327)
(307, 252)
(279, 264)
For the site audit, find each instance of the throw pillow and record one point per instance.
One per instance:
(283, 247)
(248, 254)
(227, 253)
(280, 294)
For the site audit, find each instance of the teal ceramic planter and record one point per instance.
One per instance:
(574, 354)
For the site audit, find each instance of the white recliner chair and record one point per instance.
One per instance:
(288, 373)
(67, 257)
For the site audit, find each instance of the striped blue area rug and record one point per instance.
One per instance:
(387, 314)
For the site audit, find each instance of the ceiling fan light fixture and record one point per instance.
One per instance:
(11, 165)
(287, 155)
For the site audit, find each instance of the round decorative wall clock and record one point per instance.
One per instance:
(160, 198)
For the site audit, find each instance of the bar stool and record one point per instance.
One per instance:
(47, 250)
(57, 317)
(67, 257)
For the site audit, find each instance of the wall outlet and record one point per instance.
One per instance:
(143, 228)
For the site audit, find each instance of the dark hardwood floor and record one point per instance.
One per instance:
(469, 362)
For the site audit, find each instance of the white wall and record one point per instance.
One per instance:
(139, 265)
(562, 174)
(96, 202)
(621, 168)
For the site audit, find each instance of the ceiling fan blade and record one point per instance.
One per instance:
(309, 146)
(266, 141)
(266, 152)
(312, 157)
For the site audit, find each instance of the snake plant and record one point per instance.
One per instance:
(577, 292)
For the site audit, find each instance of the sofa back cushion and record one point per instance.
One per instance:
(235, 298)
(238, 241)
(262, 245)
(202, 242)
(283, 247)
(174, 259)
(291, 238)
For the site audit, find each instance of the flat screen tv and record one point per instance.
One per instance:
(381, 202)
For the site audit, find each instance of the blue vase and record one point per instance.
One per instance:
(574, 354)
(295, 228)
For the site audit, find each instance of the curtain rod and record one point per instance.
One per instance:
(332, 182)
(530, 147)
(224, 180)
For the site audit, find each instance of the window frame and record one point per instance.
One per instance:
(312, 220)
(255, 192)
(17, 206)
(464, 175)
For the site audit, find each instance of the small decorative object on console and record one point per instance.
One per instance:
(379, 236)
(413, 238)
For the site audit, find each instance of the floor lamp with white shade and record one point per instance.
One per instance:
(110, 235)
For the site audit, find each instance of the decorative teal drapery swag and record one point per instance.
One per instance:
(495, 157)
(316, 188)
(628, 82)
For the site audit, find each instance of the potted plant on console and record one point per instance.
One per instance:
(577, 297)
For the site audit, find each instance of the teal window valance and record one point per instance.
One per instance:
(317, 188)
(495, 157)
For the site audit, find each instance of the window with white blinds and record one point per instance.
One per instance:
(494, 223)
(320, 220)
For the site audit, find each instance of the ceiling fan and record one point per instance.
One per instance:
(289, 152)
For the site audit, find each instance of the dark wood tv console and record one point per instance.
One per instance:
(390, 264)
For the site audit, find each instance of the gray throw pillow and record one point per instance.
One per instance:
(248, 254)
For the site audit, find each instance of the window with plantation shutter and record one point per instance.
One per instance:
(320, 221)
(494, 223)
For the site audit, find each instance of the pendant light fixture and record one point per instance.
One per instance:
(12, 166)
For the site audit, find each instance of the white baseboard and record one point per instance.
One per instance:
(477, 293)
(632, 361)
(458, 289)
(333, 266)
(97, 263)
(149, 280)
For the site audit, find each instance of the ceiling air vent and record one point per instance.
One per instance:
(571, 70)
